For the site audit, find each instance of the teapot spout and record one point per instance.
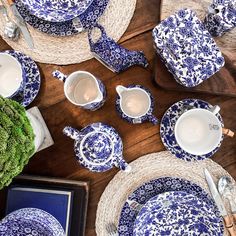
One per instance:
(71, 132)
(123, 165)
(120, 89)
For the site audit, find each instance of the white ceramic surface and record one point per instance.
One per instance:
(198, 131)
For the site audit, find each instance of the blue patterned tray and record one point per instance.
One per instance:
(158, 186)
(168, 125)
(66, 28)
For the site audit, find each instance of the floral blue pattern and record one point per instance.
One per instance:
(112, 55)
(29, 222)
(147, 117)
(176, 213)
(66, 28)
(57, 11)
(167, 184)
(168, 125)
(187, 48)
(98, 147)
(221, 17)
(32, 78)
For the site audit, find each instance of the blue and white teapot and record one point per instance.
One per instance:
(98, 147)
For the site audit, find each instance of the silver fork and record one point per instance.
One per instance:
(111, 229)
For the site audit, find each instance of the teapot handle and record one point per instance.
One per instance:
(71, 132)
(123, 165)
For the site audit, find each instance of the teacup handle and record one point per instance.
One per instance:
(71, 132)
(215, 109)
(59, 75)
(123, 165)
(153, 119)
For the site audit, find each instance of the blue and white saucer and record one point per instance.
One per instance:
(153, 188)
(33, 79)
(176, 213)
(66, 28)
(167, 128)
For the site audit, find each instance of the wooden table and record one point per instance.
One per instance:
(59, 160)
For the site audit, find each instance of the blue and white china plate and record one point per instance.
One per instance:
(33, 79)
(57, 11)
(167, 128)
(66, 28)
(30, 221)
(175, 213)
(158, 186)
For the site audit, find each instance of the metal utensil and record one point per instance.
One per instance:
(11, 30)
(111, 229)
(219, 202)
(21, 23)
(227, 190)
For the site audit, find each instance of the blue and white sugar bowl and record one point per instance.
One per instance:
(98, 147)
(135, 104)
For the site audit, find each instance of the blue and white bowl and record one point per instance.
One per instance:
(98, 147)
(187, 48)
(30, 222)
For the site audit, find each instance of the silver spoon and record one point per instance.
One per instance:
(11, 30)
(227, 189)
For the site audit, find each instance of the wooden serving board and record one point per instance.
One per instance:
(223, 82)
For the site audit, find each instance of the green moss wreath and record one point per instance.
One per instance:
(16, 140)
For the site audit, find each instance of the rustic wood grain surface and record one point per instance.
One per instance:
(59, 160)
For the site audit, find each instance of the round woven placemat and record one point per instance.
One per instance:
(74, 49)
(228, 40)
(144, 169)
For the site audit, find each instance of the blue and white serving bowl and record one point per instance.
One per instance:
(168, 193)
(65, 28)
(98, 147)
(167, 128)
(30, 222)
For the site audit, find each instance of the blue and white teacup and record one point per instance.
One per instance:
(12, 77)
(221, 17)
(83, 89)
(98, 147)
(135, 104)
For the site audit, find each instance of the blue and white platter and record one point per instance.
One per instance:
(33, 79)
(57, 11)
(149, 192)
(29, 222)
(167, 128)
(66, 28)
(176, 213)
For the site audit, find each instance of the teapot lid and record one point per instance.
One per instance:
(97, 148)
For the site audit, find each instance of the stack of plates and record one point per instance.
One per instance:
(170, 206)
(61, 18)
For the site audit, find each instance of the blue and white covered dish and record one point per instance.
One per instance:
(221, 17)
(98, 147)
(187, 48)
